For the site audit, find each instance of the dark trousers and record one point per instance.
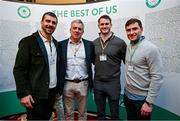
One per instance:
(42, 108)
(110, 91)
(133, 109)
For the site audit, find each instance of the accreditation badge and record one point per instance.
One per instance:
(103, 57)
(51, 61)
(130, 68)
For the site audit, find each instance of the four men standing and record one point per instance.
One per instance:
(42, 70)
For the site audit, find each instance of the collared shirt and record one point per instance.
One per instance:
(52, 55)
(134, 96)
(76, 65)
(108, 38)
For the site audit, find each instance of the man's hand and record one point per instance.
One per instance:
(146, 109)
(27, 101)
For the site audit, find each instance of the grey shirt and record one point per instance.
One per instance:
(115, 50)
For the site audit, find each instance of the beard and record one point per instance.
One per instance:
(48, 30)
(105, 31)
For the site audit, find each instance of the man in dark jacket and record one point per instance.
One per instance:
(76, 60)
(35, 71)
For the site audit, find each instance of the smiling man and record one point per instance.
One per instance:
(35, 70)
(76, 61)
(143, 73)
(109, 52)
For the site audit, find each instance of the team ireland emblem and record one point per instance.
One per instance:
(152, 3)
(24, 12)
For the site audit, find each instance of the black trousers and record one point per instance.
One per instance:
(110, 91)
(133, 109)
(42, 108)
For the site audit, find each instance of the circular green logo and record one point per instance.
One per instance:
(152, 3)
(24, 12)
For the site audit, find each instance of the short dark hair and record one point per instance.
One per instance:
(50, 14)
(132, 21)
(104, 17)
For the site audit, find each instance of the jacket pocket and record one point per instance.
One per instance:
(37, 58)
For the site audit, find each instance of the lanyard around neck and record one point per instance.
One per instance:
(103, 46)
(132, 50)
(75, 49)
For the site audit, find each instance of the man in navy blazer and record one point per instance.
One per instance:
(76, 58)
(35, 72)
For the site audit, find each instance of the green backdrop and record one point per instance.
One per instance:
(10, 105)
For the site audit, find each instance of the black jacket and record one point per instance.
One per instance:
(31, 70)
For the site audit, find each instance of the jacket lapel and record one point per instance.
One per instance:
(86, 47)
(64, 47)
(43, 49)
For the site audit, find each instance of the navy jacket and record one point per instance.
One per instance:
(89, 53)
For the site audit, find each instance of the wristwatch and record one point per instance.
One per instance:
(150, 104)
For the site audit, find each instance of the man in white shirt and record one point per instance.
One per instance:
(35, 70)
(76, 57)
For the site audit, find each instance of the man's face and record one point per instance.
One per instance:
(76, 31)
(48, 24)
(134, 31)
(104, 26)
